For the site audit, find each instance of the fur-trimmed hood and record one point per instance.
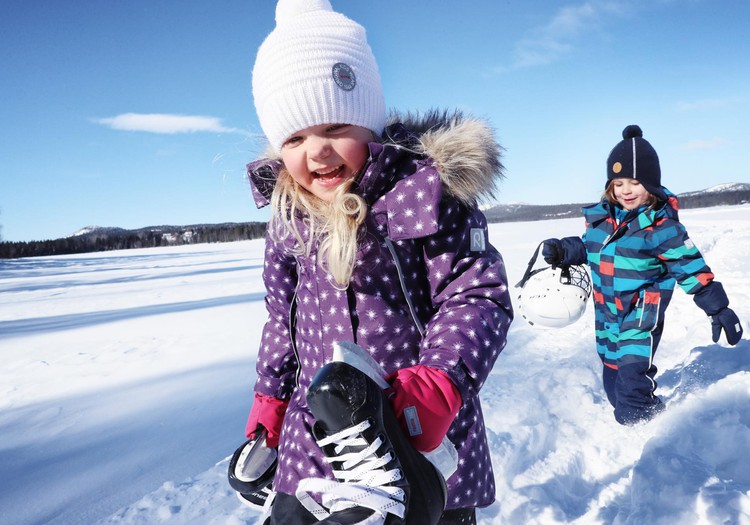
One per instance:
(463, 149)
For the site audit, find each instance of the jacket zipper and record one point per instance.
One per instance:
(293, 326)
(401, 280)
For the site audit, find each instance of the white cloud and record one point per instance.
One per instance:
(166, 123)
(550, 42)
(705, 145)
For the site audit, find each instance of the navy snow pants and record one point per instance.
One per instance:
(630, 387)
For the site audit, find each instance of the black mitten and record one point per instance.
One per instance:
(729, 321)
(713, 300)
(552, 252)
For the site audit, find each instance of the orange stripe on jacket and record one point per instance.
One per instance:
(607, 268)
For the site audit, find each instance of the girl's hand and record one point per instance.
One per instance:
(267, 412)
(552, 252)
(426, 402)
(713, 300)
(726, 319)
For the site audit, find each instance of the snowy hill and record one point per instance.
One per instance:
(728, 187)
(99, 230)
(127, 377)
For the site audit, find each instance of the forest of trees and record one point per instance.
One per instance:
(103, 239)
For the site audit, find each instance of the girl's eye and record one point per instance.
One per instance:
(291, 141)
(337, 127)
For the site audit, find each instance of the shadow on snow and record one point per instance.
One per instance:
(79, 320)
(80, 459)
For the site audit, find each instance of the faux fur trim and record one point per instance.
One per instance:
(464, 149)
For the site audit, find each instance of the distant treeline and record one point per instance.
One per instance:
(533, 212)
(105, 239)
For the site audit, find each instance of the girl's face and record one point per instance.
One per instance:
(630, 193)
(321, 158)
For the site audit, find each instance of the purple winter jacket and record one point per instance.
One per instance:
(425, 233)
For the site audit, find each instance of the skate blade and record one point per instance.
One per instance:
(354, 355)
(255, 459)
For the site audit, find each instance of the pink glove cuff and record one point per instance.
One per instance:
(426, 402)
(268, 412)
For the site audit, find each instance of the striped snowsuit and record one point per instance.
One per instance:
(635, 259)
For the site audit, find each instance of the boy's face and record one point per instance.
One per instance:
(630, 193)
(321, 158)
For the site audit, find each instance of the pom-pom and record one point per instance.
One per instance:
(632, 131)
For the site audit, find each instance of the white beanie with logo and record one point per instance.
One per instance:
(315, 68)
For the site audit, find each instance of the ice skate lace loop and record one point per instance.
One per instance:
(362, 480)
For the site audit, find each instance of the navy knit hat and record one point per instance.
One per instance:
(635, 158)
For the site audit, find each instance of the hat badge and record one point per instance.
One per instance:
(344, 76)
(616, 167)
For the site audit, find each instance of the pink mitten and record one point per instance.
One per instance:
(268, 412)
(426, 402)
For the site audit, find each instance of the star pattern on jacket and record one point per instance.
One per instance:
(415, 244)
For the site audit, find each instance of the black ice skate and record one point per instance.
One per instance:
(251, 471)
(381, 478)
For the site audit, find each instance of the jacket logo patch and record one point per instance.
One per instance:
(477, 240)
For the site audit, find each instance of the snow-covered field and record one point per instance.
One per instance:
(126, 379)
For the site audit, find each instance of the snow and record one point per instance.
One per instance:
(127, 379)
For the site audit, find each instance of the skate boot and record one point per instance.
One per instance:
(251, 471)
(380, 478)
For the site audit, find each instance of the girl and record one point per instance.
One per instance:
(375, 238)
(637, 250)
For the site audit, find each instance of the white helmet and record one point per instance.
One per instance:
(553, 297)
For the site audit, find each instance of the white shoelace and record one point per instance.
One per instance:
(363, 480)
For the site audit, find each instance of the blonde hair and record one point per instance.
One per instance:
(332, 226)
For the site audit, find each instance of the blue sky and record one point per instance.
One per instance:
(139, 112)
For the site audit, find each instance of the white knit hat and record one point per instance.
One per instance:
(315, 68)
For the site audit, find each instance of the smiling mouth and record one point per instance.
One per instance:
(329, 174)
